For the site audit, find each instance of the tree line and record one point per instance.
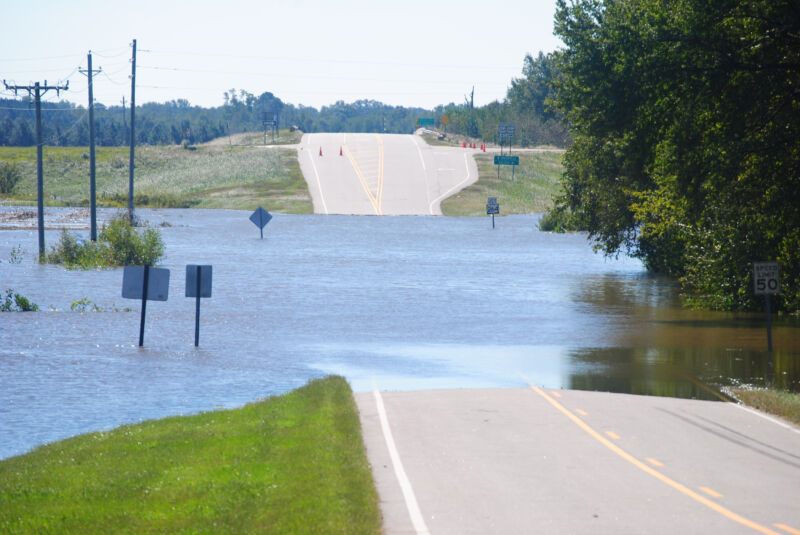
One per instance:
(66, 124)
(685, 119)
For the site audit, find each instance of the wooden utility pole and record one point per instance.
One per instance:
(39, 90)
(92, 182)
(133, 133)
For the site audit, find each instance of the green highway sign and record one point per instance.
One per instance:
(425, 121)
(506, 160)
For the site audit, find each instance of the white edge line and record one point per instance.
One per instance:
(769, 418)
(446, 193)
(316, 174)
(425, 173)
(399, 472)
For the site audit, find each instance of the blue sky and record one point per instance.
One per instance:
(409, 53)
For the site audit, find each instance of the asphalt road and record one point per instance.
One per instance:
(538, 461)
(382, 174)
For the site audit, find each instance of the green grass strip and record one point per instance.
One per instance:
(288, 464)
(537, 179)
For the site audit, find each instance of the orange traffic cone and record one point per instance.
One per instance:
(320, 151)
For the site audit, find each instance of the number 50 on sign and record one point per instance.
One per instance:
(766, 278)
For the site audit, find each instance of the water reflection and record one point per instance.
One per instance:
(396, 302)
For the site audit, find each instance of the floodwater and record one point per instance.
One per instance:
(392, 303)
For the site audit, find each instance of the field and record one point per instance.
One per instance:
(216, 175)
(289, 464)
(536, 181)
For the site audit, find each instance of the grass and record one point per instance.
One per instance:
(777, 402)
(288, 464)
(211, 176)
(536, 181)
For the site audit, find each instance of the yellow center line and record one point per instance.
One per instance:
(582, 412)
(363, 181)
(380, 171)
(613, 435)
(787, 529)
(653, 472)
(711, 492)
(555, 393)
(653, 461)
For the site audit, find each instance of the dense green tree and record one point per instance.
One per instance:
(686, 124)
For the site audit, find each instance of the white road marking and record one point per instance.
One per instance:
(457, 186)
(769, 418)
(316, 174)
(399, 472)
(425, 172)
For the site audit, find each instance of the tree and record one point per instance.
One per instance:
(686, 133)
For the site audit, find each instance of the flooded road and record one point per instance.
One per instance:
(399, 303)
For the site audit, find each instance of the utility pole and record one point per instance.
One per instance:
(92, 182)
(38, 90)
(133, 133)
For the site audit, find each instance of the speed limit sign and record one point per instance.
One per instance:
(766, 278)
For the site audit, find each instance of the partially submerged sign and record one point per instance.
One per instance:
(198, 284)
(260, 218)
(147, 284)
(767, 281)
(766, 278)
(198, 280)
(133, 283)
(492, 208)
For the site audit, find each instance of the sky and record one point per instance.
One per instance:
(412, 53)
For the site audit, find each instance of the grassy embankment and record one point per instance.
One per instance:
(215, 175)
(289, 464)
(536, 181)
(777, 402)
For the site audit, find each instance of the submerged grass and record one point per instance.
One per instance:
(289, 464)
(777, 402)
(212, 176)
(536, 181)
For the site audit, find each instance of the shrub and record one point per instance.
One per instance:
(119, 244)
(9, 176)
(126, 247)
(15, 302)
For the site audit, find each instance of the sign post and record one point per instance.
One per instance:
(505, 130)
(767, 281)
(260, 218)
(492, 208)
(198, 284)
(147, 284)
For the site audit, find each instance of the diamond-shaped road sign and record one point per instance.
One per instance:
(260, 218)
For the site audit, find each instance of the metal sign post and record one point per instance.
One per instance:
(260, 218)
(505, 130)
(198, 284)
(492, 207)
(767, 281)
(147, 284)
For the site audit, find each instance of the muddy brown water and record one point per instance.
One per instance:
(395, 303)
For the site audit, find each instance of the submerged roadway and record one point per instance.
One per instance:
(532, 460)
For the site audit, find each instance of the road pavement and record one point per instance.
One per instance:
(382, 174)
(540, 461)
